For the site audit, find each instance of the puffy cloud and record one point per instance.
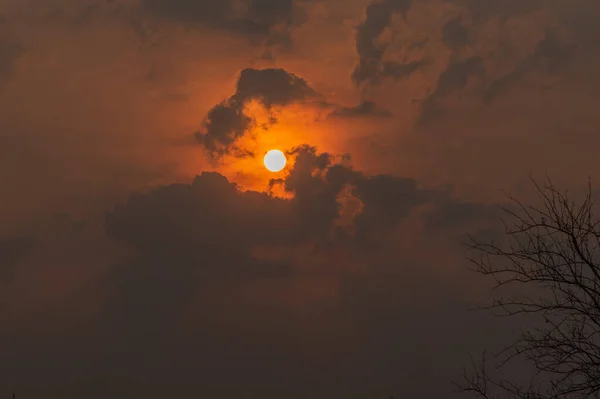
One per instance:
(216, 273)
(212, 214)
(226, 122)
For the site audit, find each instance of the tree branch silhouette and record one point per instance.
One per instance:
(553, 249)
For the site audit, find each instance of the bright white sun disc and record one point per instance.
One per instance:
(275, 160)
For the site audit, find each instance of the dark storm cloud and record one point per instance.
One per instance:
(190, 239)
(212, 215)
(364, 109)
(379, 17)
(226, 122)
(253, 18)
(9, 53)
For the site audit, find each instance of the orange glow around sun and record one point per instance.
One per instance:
(281, 130)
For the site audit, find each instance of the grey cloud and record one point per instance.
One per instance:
(192, 305)
(211, 214)
(453, 79)
(226, 122)
(187, 235)
(272, 86)
(457, 33)
(379, 16)
(399, 70)
(456, 75)
(386, 200)
(454, 33)
(188, 239)
(549, 56)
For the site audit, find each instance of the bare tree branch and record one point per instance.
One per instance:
(554, 250)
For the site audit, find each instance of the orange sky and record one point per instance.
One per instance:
(101, 99)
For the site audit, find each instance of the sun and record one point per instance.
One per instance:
(275, 160)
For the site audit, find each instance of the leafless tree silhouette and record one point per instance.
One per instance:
(552, 255)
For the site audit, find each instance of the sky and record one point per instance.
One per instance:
(146, 251)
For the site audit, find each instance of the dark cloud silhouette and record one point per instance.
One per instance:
(226, 122)
(188, 234)
(270, 19)
(183, 295)
(549, 55)
(213, 215)
(371, 68)
(272, 86)
(457, 74)
(364, 109)
(457, 32)
(379, 16)
(454, 33)
(397, 70)
(453, 79)
(351, 287)
(9, 53)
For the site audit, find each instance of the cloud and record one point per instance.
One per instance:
(454, 78)
(378, 18)
(216, 272)
(212, 217)
(454, 33)
(227, 122)
(265, 19)
(549, 56)
(213, 226)
(212, 214)
(485, 59)
(364, 109)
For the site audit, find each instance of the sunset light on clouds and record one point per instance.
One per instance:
(149, 248)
